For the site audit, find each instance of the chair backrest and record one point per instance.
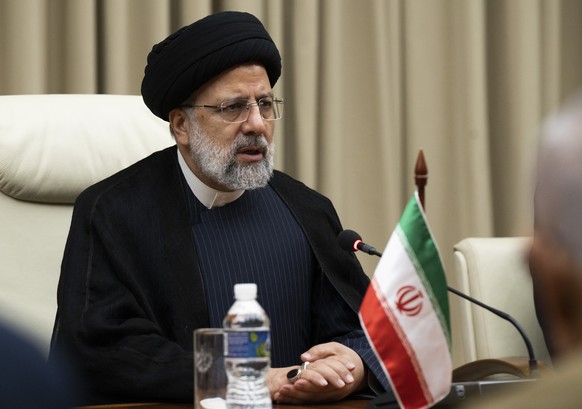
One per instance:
(51, 148)
(494, 271)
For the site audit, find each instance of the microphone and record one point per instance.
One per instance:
(349, 240)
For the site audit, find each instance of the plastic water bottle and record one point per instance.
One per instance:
(247, 351)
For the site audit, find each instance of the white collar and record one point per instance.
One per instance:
(208, 196)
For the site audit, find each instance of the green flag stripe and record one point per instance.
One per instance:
(422, 250)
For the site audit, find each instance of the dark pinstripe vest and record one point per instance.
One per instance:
(257, 239)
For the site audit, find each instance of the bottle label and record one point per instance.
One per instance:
(247, 344)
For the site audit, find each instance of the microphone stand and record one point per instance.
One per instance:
(533, 363)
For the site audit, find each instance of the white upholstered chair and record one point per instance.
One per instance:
(51, 148)
(494, 271)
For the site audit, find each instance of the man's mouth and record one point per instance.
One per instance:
(251, 153)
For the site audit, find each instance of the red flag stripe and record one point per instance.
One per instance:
(394, 351)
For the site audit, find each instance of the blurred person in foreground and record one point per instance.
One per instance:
(556, 261)
(155, 250)
(27, 381)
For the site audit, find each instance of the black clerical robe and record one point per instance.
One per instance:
(130, 292)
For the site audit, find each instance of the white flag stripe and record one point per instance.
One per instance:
(428, 339)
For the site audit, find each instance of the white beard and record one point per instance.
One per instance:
(220, 164)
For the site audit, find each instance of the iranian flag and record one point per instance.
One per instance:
(405, 313)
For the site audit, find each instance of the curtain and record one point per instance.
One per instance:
(367, 84)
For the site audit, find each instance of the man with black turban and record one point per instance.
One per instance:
(155, 250)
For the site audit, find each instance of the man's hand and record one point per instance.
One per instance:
(334, 372)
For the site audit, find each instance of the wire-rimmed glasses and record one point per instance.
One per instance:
(237, 110)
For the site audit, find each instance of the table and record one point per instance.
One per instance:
(345, 404)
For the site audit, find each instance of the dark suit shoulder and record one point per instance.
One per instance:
(149, 172)
(287, 185)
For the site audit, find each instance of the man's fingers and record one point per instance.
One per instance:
(314, 377)
(321, 351)
(334, 370)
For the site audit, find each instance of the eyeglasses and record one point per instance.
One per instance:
(238, 110)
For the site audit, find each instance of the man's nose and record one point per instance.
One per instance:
(255, 122)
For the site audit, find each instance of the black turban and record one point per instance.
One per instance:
(183, 62)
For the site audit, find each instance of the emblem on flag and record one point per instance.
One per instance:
(409, 300)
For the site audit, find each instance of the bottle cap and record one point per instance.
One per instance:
(245, 291)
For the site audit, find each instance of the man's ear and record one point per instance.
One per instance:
(180, 124)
